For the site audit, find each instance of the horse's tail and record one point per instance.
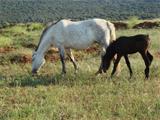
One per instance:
(112, 31)
(113, 38)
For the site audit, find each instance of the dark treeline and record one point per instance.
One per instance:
(15, 11)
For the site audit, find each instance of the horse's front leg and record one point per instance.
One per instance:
(100, 68)
(103, 51)
(62, 57)
(116, 64)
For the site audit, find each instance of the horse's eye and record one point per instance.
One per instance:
(33, 57)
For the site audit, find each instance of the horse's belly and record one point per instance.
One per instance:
(79, 41)
(78, 45)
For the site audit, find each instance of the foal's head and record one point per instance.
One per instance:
(107, 58)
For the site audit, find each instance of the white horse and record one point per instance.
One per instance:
(66, 35)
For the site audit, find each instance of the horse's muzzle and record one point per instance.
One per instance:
(34, 71)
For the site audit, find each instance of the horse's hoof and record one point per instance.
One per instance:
(63, 74)
(130, 77)
(111, 77)
(76, 71)
(34, 74)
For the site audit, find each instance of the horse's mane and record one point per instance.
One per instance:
(45, 30)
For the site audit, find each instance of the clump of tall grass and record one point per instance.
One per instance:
(34, 27)
(132, 21)
(5, 41)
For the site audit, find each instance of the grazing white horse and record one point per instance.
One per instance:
(66, 35)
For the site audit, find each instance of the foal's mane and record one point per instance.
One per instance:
(44, 32)
(110, 50)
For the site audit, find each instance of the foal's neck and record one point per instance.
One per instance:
(111, 51)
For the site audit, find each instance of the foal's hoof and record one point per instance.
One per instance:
(146, 78)
(98, 72)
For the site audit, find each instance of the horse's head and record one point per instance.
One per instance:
(37, 62)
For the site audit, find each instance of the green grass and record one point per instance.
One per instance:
(5, 41)
(82, 96)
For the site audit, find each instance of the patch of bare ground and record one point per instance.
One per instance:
(147, 25)
(92, 49)
(52, 54)
(20, 58)
(29, 45)
(120, 25)
(6, 49)
(157, 55)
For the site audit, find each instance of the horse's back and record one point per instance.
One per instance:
(82, 33)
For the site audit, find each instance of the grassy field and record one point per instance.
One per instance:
(49, 96)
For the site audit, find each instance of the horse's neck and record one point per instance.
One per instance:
(44, 46)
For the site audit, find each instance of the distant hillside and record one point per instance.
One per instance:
(48, 10)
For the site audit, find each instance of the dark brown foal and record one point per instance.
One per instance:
(128, 45)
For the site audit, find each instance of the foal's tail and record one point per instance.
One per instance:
(112, 31)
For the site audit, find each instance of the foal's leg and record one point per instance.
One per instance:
(147, 63)
(62, 57)
(118, 69)
(71, 57)
(128, 64)
(150, 56)
(116, 64)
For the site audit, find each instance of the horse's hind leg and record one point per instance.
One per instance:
(62, 57)
(150, 56)
(128, 65)
(103, 51)
(71, 57)
(147, 63)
